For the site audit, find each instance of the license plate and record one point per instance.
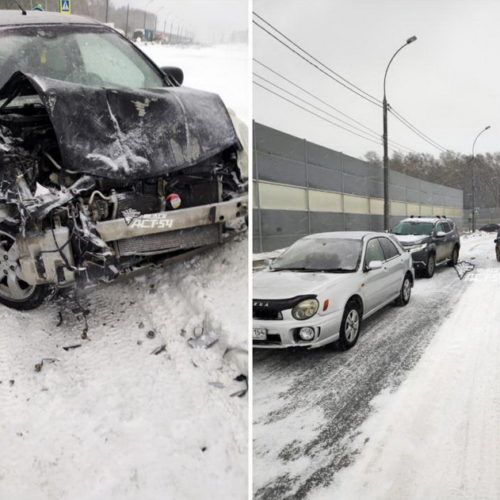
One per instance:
(260, 333)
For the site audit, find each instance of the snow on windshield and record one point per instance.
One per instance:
(326, 254)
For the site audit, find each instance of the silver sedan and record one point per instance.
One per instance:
(320, 289)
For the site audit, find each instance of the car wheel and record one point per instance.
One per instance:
(497, 249)
(431, 266)
(405, 292)
(454, 258)
(14, 291)
(350, 326)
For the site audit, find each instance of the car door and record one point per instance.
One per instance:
(449, 239)
(441, 242)
(375, 283)
(394, 264)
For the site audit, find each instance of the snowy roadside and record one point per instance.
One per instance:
(222, 69)
(437, 436)
(111, 415)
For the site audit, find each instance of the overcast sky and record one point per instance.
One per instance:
(207, 18)
(447, 83)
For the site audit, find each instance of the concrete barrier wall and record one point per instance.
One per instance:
(302, 188)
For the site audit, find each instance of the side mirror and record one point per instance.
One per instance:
(440, 234)
(374, 264)
(496, 240)
(175, 75)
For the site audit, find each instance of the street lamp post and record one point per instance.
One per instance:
(146, 15)
(385, 139)
(473, 174)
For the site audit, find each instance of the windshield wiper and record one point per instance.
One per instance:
(312, 270)
(338, 270)
(291, 269)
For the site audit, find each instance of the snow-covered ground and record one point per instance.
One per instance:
(222, 69)
(438, 435)
(413, 411)
(110, 419)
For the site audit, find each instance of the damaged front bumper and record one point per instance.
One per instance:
(46, 257)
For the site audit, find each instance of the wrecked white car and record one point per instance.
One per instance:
(106, 163)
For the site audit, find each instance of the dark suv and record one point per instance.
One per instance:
(431, 241)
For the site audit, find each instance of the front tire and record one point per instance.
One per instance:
(405, 292)
(430, 267)
(14, 291)
(350, 326)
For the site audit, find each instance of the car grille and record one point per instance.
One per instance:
(272, 309)
(170, 241)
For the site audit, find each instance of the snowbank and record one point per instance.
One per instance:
(222, 69)
(109, 419)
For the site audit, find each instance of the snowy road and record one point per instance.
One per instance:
(314, 411)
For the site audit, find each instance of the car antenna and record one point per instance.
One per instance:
(20, 7)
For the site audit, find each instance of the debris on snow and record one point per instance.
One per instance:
(159, 349)
(219, 385)
(464, 267)
(241, 378)
(205, 340)
(69, 347)
(39, 366)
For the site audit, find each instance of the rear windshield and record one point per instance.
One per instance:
(87, 55)
(414, 228)
(320, 254)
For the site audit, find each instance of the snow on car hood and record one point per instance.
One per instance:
(410, 239)
(287, 284)
(137, 133)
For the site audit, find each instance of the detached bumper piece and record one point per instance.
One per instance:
(170, 221)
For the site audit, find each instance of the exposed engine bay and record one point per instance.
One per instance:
(74, 210)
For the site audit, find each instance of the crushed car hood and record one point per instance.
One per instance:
(114, 133)
(285, 284)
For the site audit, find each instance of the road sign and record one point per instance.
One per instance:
(65, 6)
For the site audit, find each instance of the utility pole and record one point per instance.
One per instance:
(126, 22)
(386, 140)
(473, 173)
(107, 10)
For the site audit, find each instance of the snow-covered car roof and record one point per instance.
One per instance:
(433, 220)
(16, 18)
(351, 235)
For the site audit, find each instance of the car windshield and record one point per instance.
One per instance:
(320, 254)
(413, 228)
(90, 55)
